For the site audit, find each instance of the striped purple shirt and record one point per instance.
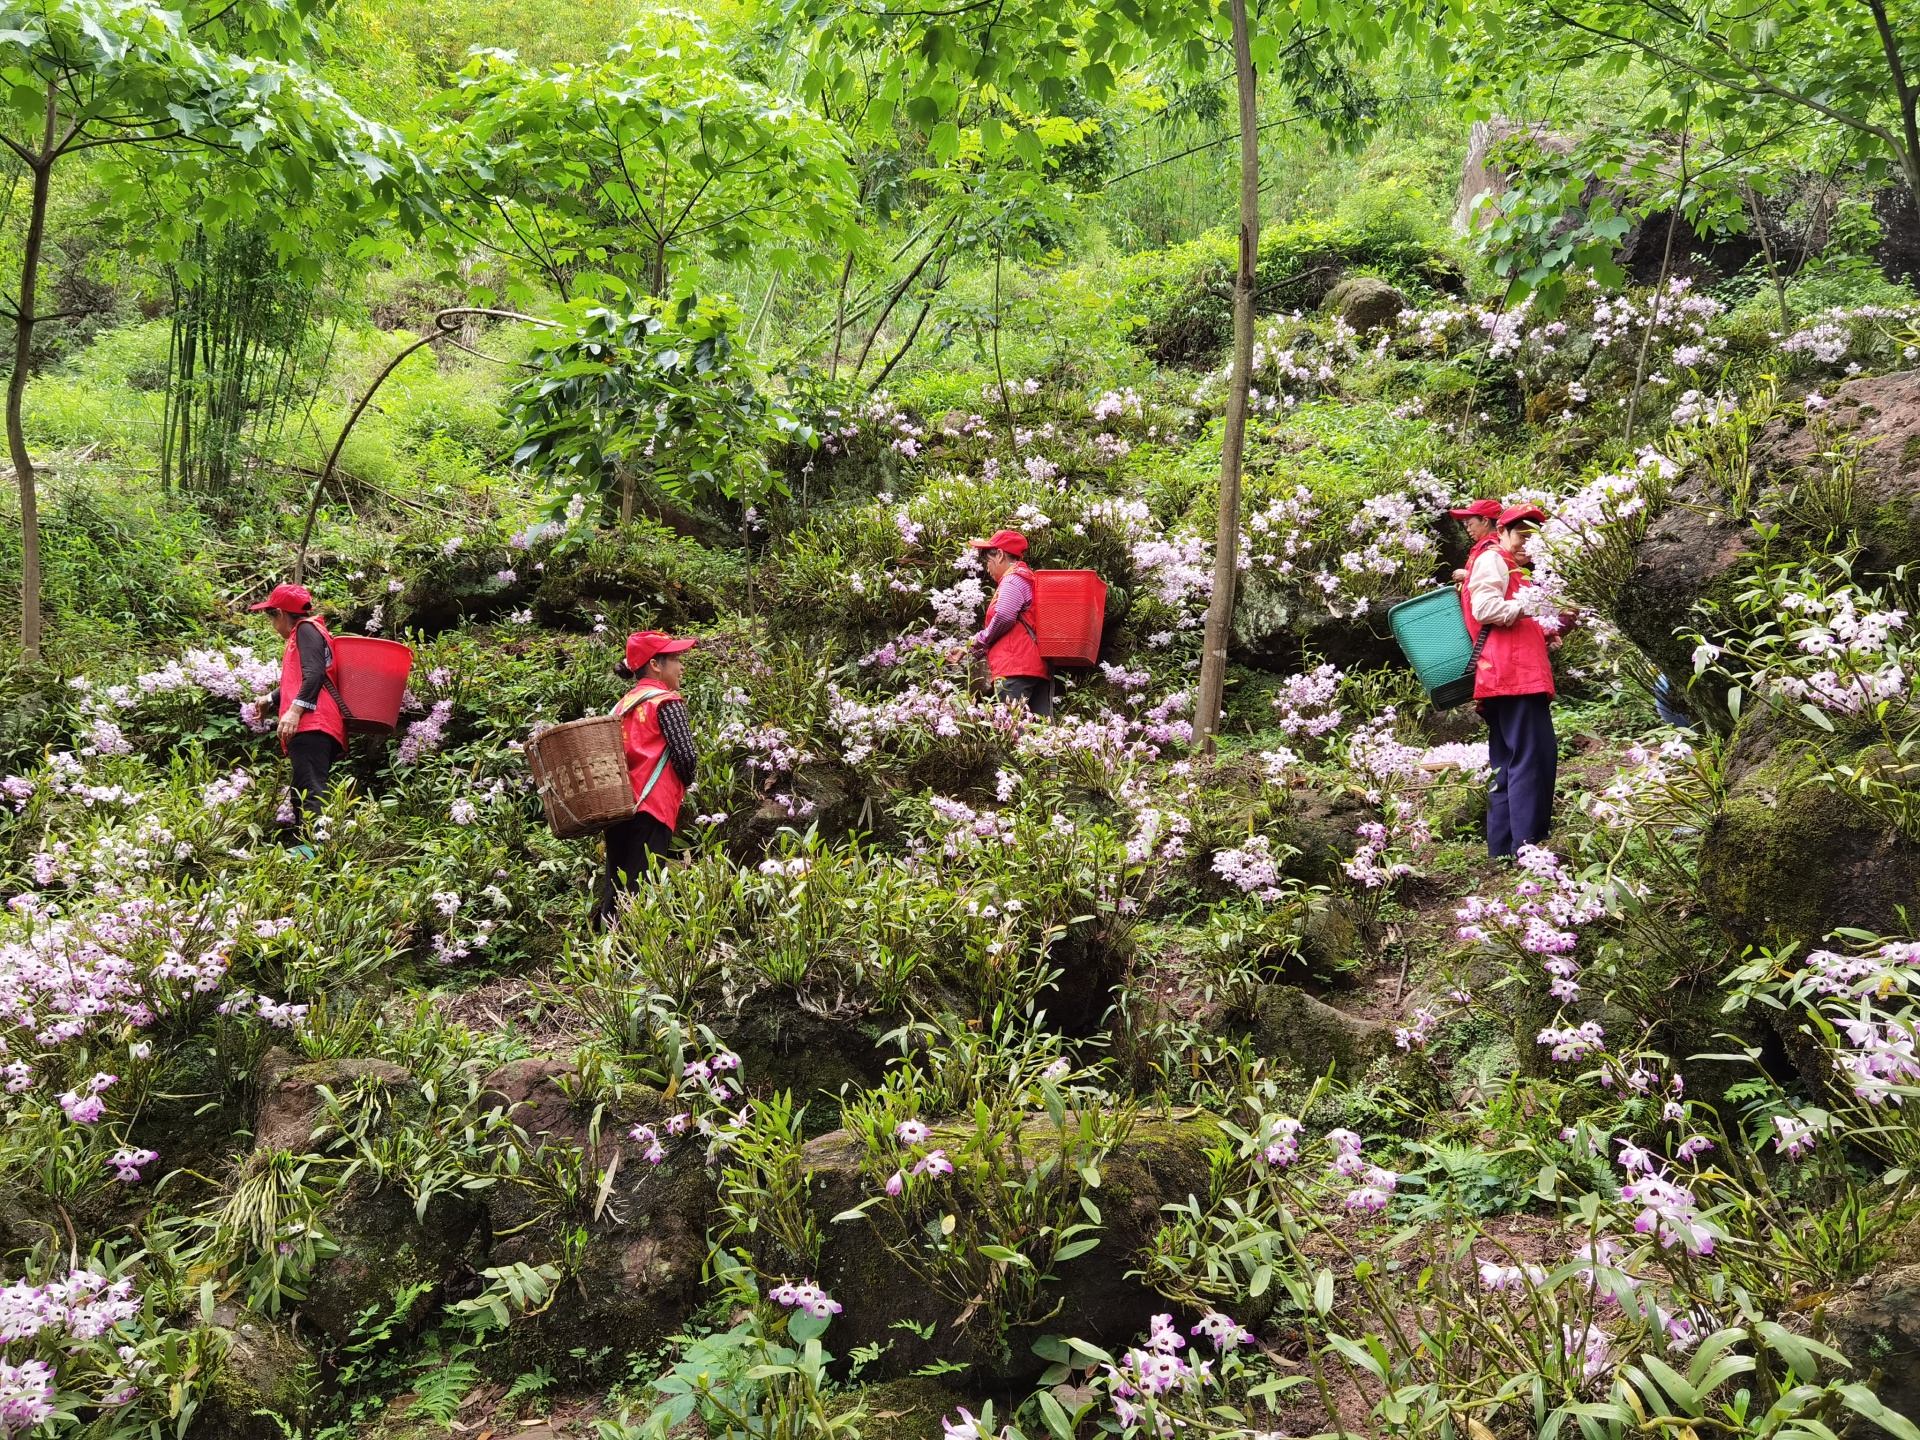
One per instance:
(1010, 602)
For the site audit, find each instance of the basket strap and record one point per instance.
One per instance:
(326, 680)
(652, 780)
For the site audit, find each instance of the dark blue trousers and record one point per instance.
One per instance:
(1525, 755)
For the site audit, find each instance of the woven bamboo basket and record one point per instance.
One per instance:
(580, 769)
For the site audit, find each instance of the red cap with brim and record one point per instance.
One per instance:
(294, 599)
(1011, 541)
(1520, 514)
(645, 645)
(1485, 509)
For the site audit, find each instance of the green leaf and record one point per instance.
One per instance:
(1323, 1292)
(1004, 1255)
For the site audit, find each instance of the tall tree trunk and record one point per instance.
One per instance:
(1233, 443)
(17, 389)
(840, 317)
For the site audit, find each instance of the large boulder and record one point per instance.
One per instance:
(1694, 552)
(289, 1106)
(1791, 857)
(1876, 1326)
(384, 1241)
(1365, 302)
(262, 1385)
(1880, 415)
(785, 1044)
(1163, 1160)
(1290, 1025)
(584, 1198)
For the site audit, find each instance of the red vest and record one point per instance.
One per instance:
(657, 787)
(1017, 652)
(326, 714)
(1514, 661)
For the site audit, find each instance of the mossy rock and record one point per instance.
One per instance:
(786, 1046)
(1275, 629)
(262, 1385)
(910, 1408)
(289, 1107)
(1693, 554)
(1790, 857)
(1365, 302)
(386, 1246)
(1290, 1025)
(1876, 1326)
(631, 1237)
(1162, 1160)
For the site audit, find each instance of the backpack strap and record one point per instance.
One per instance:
(326, 675)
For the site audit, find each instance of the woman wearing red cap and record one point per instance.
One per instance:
(312, 727)
(1480, 520)
(1513, 688)
(660, 761)
(1007, 638)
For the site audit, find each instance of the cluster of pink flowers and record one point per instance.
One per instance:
(1281, 533)
(85, 1306)
(934, 1164)
(282, 1015)
(423, 737)
(806, 1296)
(1649, 778)
(86, 1109)
(1377, 1184)
(1305, 702)
(1879, 1060)
(1155, 1369)
(1542, 918)
(26, 1396)
(1668, 1210)
(1415, 1036)
(127, 1162)
(1573, 1043)
(1252, 868)
(1890, 969)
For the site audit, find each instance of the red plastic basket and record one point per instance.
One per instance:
(1069, 611)
(373, 678)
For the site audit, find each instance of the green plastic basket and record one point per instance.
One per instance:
(1434, 638)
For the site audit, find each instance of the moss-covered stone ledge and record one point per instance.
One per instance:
(1099, 1296)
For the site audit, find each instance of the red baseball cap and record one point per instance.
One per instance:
(643, 645)
(1011, 541)
(294, 599)
(1519, 513)
(1485, 509)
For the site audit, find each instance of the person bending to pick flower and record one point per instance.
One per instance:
(661, 761)
(1512, 687)
(1008, 639)
(312, 726)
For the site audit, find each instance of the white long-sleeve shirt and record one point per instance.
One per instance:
(1487, 590)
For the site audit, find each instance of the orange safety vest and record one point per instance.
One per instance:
(1514, 660)
(326, 712)
(1018, 651)
(657, 787)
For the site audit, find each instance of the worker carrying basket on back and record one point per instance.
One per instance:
(661, 762)
(1020, 673)
(312, 727)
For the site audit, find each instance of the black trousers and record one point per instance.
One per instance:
(312, 753)
(1525, 755)
(634, 847)
(1033, 691)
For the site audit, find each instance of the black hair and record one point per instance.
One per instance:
(624, 670)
